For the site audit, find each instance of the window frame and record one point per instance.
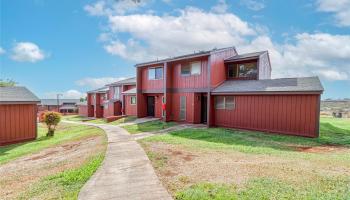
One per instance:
(183, 99)
(114, 93)
(190, 68)
(154, 75)
(237, 69)
(226, 105)
(131, 100)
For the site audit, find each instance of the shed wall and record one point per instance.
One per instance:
(287, 114)
(17, 123)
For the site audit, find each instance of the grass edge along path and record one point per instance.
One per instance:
(150, 126)
(66, 184)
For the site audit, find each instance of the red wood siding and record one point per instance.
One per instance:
(83, 110)
(17, 123)
(217, 66)
(150, 84)
(129, 87)
(129, 108)
(192, 107)
(193, 81)
(287, 114)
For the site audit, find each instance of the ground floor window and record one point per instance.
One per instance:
(183, 108)
(225, 102)
(133, 100)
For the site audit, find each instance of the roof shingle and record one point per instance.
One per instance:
(304, 84)
(17, 94)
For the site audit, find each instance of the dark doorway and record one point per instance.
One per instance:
(150, 106)
(203, 109)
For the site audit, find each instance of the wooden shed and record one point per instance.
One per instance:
(18, 115)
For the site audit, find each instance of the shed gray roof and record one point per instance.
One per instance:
(131, 91)
(305, 84)
(17, 94)
(128, 81)
(53, 102)
(246, 56)
(99, 90)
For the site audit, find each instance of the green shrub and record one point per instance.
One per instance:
(51, 119)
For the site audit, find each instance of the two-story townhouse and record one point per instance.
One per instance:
(122, 97)
(221, 88)
(95, 102)
(115, 99)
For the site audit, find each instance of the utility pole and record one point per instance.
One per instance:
(58, 102)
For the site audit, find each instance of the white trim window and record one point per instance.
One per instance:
(182, 107)
(225, 102)
(133, 100)
(193, 68)
(155, 73)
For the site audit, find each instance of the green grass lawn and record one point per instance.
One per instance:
(64, 133)
(64, 185)
(148, 126)
(333, 132)
(77, 118)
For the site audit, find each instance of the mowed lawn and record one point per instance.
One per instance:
(51, 167)
(77, 118)
(220, 163)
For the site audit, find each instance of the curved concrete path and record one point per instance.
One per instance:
(126, 172)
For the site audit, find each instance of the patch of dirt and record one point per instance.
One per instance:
(17, 176)
(236, 167)
(320, 149)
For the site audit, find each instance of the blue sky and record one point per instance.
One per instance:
(69, 46)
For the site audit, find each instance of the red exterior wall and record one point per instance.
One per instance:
(217, 66)
(83, 110)
(176, 80)
(130, 109)
(287, 114)
(17, 123)
(113, 109)
(193, 107)
(150, 84)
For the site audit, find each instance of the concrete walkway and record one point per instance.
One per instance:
(126, 172)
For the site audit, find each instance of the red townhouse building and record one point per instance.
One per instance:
(115, 99)
(223, 88)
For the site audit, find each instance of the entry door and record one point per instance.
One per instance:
(150, 106)
(204, 109)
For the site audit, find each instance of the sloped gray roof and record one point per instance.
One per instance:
(99, 90)
(186, 56)
(245, 56)
(17, 94)
(305, 84)
(53, 102)
(128, 81)
(84, 103)
(131, 91)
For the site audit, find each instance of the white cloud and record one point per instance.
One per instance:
(27, 52)
(320, 54)
(2, 51)
(97, 82)
(69, 94)
(154, 36)
(221, 7)
(340, 9)
(255, 5)
(112, 7)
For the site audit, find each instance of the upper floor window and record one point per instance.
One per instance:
(193, 68)
(243, 70)
(155, 73)
(116, 93)
(104, 96)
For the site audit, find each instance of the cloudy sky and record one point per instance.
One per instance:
(69, 47)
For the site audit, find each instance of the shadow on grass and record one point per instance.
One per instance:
(330, 135)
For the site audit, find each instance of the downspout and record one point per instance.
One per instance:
(208, 91)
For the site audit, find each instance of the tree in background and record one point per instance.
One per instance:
(7, 82)
(51, 120)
